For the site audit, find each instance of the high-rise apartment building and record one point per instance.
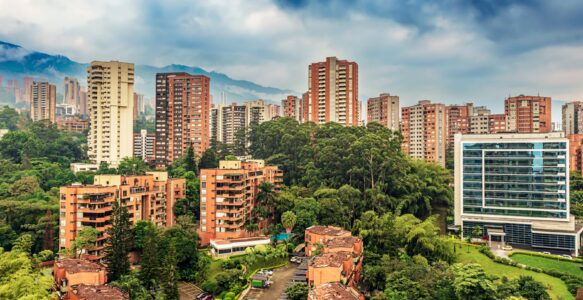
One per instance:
(144, 142)
(43, 103)
(576, 153)
(424, 129)
(572, 118)
(479, 121)
(183, 106)
(72, 93)
(147, 197)
(292, 107)
(528, 114)
(27, 83)
(139, 107)
(497, 123)
(227, 120)
(110, 102)
(515, 187)
(333, 92)
(83, 109)
(458, 121)
(228, 194)
(385, 110)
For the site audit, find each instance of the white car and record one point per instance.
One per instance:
(566, 256)
(546, 252)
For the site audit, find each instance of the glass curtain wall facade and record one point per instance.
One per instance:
(515, 179)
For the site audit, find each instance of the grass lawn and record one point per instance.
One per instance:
(214, 269)
(549, 263)
(555, 286)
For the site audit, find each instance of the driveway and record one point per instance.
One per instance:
(280, 278)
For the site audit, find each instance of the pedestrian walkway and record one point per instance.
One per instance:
(188, 291)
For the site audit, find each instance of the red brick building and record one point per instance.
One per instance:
(183, 106)
(458, 121)
(95, 292)
(68, 272)
(424, 129)
(528, 114)
(292, 107)
(333, 92)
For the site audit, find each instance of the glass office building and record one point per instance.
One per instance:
(516, 185)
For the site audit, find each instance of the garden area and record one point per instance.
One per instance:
(556, 288)
(228, 277)
(549, 263)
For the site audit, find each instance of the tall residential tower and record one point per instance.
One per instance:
(43, 101)
(333, 92)
(110, 99)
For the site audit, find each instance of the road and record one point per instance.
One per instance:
(280, 278)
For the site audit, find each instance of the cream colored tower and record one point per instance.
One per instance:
(110, 98)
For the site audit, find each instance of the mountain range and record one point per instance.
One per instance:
(17, 62)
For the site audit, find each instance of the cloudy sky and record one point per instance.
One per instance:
(450, 51)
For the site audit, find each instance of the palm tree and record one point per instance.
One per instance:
(288, 220)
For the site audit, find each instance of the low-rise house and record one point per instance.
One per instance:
(95, 292)
(68, 272)
(320, 234)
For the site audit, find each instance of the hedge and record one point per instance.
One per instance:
(556, 257)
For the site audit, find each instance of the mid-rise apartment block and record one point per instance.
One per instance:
(458, 121)
(73, 124)
(147, 197)
(340, 258)
(183, 104)
(576, 153)
(43, 101)
(292, 108)
(144, 143)
(479, 121)
(497, 123)
(227, 197)
(385, 110)
(424, 129)
(110, 102)
(333, 92)
(227, 120)
(515, 187)
(528, 114)
(572, 118)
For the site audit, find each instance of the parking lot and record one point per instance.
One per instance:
(282, 278)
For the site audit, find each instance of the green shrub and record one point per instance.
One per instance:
(209, 286)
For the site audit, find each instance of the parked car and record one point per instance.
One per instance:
(566, 256)
(507, 248)
(546, 252)
(296, 259)
(204, 296)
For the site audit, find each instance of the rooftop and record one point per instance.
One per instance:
(241, 240)
(334, 259)
(333, 290)
(327, 230)
(341, 242)
(97, 292)
(78, 265)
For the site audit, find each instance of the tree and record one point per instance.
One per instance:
(7, 235)
(141, 231)
(8, 118)
(132, 286)
(25, 186)
(132, 166)
(288, 220)
(150, 272)
(531, 289)
(297, 291)
(190, 160)
(209, 159)
(119, 243)
(471, 282)
(169, 275)
(20, 280)
(23, 244)
(477, 232)
(85, 239)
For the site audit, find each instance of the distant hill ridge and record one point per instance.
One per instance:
(17, 62)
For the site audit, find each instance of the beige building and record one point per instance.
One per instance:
(43, 102)
(384, 109)
(573, 118)
(226, 120)
(110, 99)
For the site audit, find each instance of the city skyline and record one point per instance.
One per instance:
(456, 52)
